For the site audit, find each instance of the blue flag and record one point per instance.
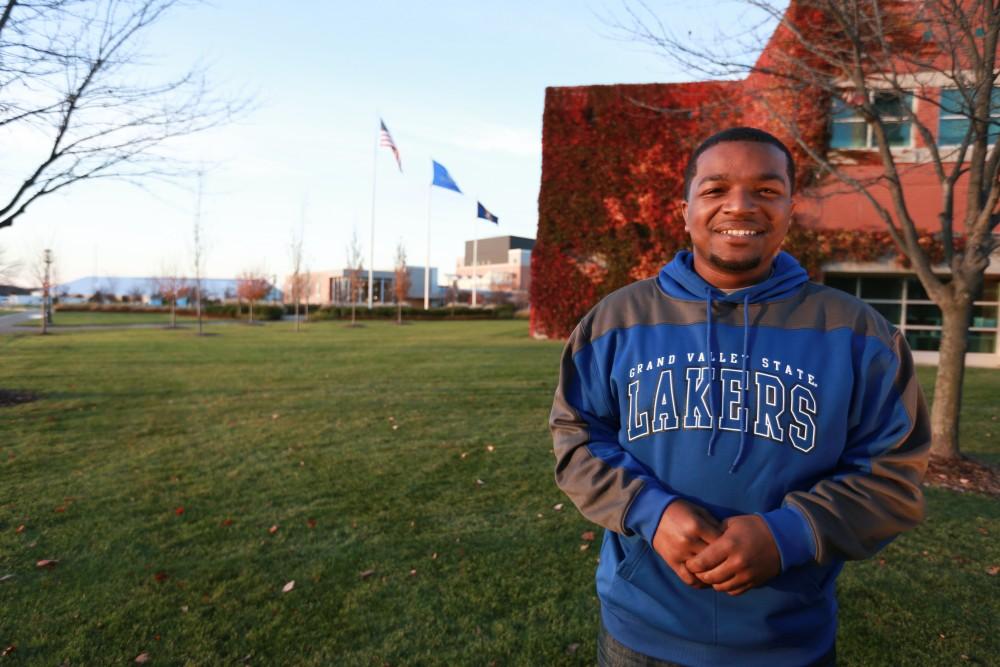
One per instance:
(442, 178)
(486, 215)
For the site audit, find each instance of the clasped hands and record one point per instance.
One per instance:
(731, 556)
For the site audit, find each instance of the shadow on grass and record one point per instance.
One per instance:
(10, 397)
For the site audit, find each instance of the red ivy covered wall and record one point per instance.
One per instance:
(613, 161)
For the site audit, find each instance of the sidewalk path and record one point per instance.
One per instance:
(9, 322)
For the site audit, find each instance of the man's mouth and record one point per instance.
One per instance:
(740, 232)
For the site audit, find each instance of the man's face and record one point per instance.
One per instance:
(737, 212)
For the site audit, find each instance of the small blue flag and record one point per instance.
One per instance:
(486, 215)
(442, 178)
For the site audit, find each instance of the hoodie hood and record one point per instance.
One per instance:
(679, 280)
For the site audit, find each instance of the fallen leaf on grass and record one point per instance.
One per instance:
(142, 658)
(558, 507)
(161, 576)
(463, 455)
(311, 523)
(571, 649)
(184, 609)
(7, 651)
(289, 586)
(275, 415)
(20, 529)
(993, 570)
(367, 573)
(434, 556)
(60, 509)
(479, 482)
(413, 572)
(273, 529)
(227, 522)
(6, 577)
(490, 448)
(179, 511)
(881, 562)
(584, 547)
(47, 563)
(587, 536)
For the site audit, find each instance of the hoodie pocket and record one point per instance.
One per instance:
(631, 561)
(651, 594)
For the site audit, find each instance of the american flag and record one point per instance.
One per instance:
(385, 139)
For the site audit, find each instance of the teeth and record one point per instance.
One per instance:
(739, 232)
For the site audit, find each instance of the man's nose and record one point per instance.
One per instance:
(739, 200)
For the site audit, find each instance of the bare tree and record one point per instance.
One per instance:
(171, 286)
(43, 274)
(295, 253)
(308, 285)
(198, 253)
(401, 281)
(868, 59)
(253, 286)
(355, 273)
(71, 81)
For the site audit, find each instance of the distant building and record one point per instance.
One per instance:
(334, 287)
(502, 264)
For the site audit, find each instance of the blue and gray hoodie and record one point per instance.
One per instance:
(786, 399)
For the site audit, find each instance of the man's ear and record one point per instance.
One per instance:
(684, 213)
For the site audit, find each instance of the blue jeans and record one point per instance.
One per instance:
(612, 653)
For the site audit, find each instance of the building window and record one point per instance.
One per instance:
(849, 129)
(903, 301)
(954, 122)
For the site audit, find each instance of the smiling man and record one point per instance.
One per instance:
(740, 432)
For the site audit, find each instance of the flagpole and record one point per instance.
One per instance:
(371, 255)
(475, 254)
(427, 264)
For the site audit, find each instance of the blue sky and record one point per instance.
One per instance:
(460, 82)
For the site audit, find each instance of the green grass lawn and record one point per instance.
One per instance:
(96, 318)
(181, 482)
(7, 311)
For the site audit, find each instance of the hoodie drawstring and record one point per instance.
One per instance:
(744, 381)
(745, 385)
(711, 367)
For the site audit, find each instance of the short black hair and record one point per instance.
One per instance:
(737, 134)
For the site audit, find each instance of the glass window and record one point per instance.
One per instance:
(878, 287)
(982, 341)
(984, 316)
(843, 283)
(915, 290)
(849, 130)
(924, 340)
(890, 311)
(925, 314)
(954, 120)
